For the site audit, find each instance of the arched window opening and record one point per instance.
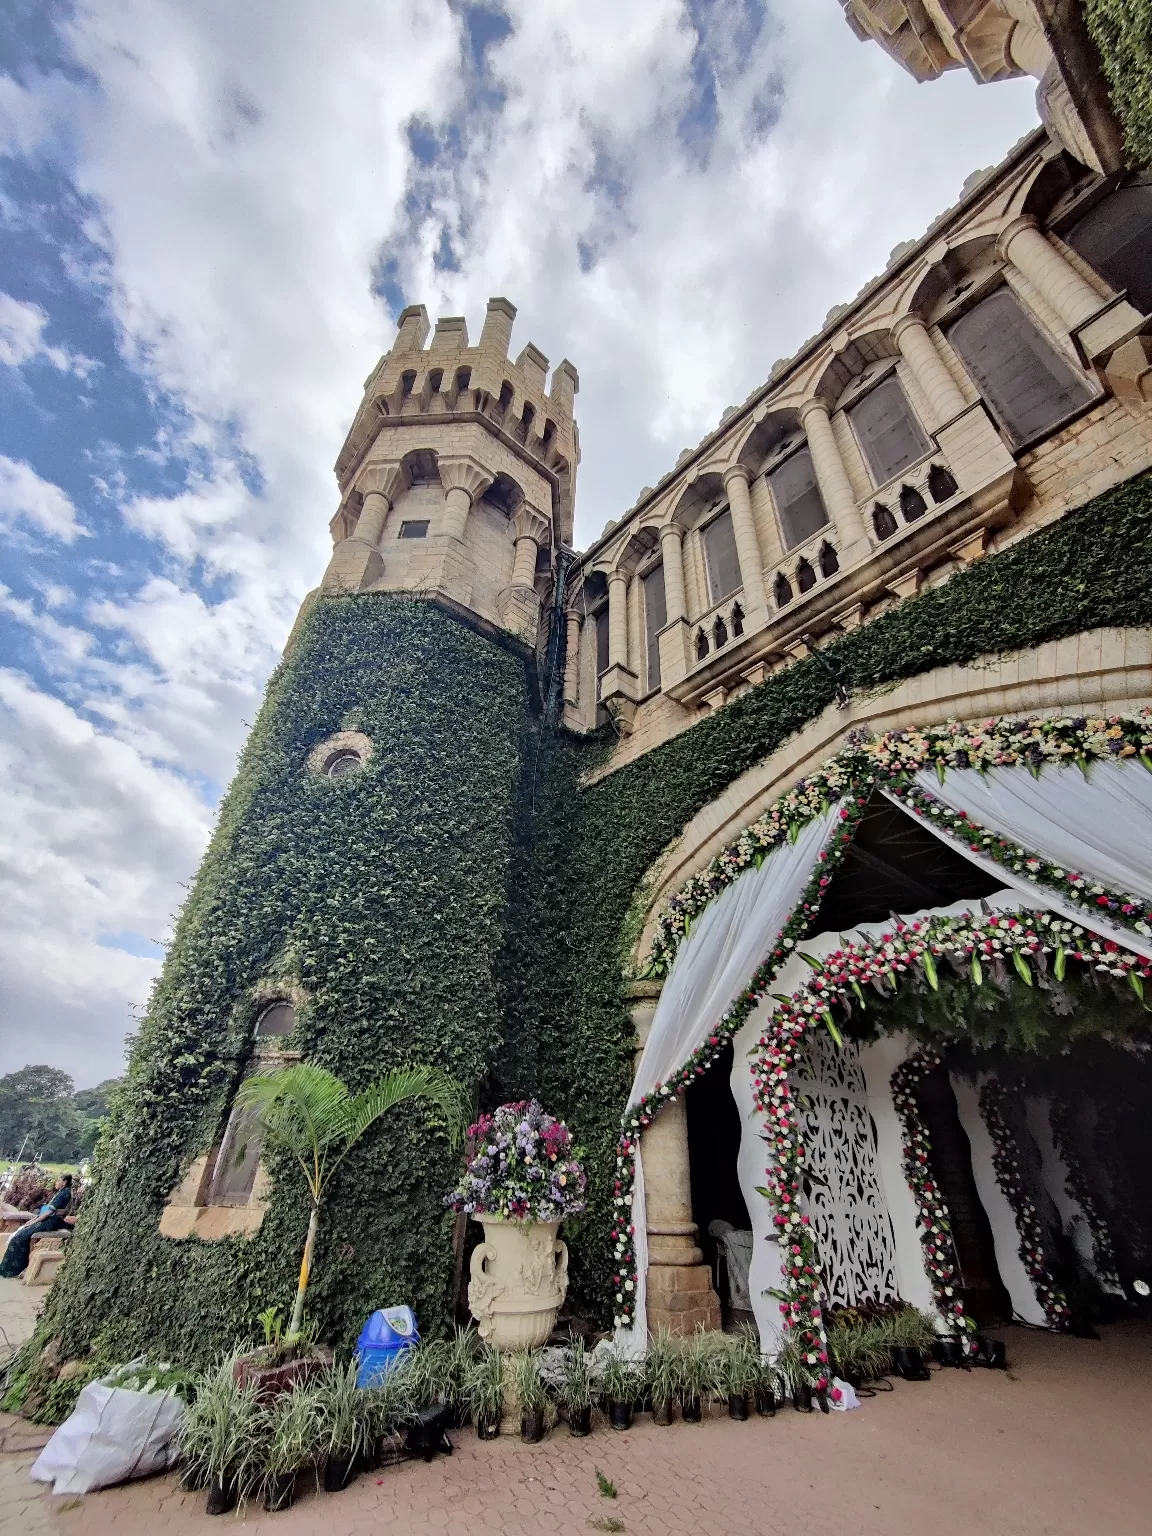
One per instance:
(941, 484)
(1029, 385)
(237, 1160)
(883, 521)
(505, 400)
(1115, 238)
(829, 564)
(548, 434)
(719, 632)
(737, 620)
(912, 504)
(805, 576)
(278, 1019)
(782, 591)
(701, 645)
(655, 618)
(407, 382)
(887, 430)
(435, 379)
(524, 425)
(463, 379)
(341, 764)
(720, 557)
(799, 504)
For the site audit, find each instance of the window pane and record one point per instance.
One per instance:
(414, 530)
(1028, 384)
(237, 1160)
(655, 618)
(1116, 239)
(281, 1017)
(798, 501)
(889, 435)
(720, 555)
(601, 641)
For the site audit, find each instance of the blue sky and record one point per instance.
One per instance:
(209, 218)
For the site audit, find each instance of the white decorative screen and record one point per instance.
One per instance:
(846, 1209)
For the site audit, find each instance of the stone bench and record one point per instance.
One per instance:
(45, 1257)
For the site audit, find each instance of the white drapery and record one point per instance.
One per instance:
(1101, 827)
(713, 965)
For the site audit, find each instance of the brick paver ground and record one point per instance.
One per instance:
(1058, 1445)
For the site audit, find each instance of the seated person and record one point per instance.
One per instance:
(15, 1257)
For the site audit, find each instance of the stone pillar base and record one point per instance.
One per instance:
(681, 1298)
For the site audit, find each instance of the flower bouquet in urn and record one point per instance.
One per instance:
(524, 1179)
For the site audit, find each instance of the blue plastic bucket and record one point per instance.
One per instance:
(383, 1339)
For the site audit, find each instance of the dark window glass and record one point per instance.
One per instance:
(1026, 381)
(415, 529)
(798, 500)
(601, 641)
(280, 1019)
(344, 763)
(655, 618)
(720, 556)
(1116, 239)
(889, 435)
(237, 1160)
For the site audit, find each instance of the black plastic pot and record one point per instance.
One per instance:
(338, 1473)
(487, 1429)
(765, 1403)
(802, 1399)
(192, 1479)
(948, 1352)
(853, 1378)
(737, 1406)
(221, 1496)
(691, 1410)
(620, 1415)
(663, 1412)
(1080, 1326)
(821, 1397)
(991, 1352)
(427, 1432)
(532, 1426)
(910, 1363)
(280, 1492)
(580, 1421)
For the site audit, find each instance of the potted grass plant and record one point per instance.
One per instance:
(344, 1423)
(459, 1354)
(662, 1375)
(766, 1389)
(699, 1373)
(860, 1348)
(577, 1389)
(287, 1439)
(794, 1374)
(216, 1440)
(620, 1385)
(531, 1395)
(389, 1404)
(485, 1393)
(738, 1372)
(909, 1336)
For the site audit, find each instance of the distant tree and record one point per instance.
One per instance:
(96, 1102)
(37, 1113)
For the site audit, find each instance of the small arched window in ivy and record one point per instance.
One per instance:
(341, 764)
(279, 1019)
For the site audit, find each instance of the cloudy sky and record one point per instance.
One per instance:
(210, 211)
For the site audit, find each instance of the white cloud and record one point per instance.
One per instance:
(247, 178)
(25, 497)
(22, 339)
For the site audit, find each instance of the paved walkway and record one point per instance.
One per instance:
(1059, 1445)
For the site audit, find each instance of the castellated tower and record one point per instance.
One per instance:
(458, 476)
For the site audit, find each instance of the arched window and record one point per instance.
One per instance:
(701, 645)
(912, 504)
(1029, 385)
(737, 620)
(782, 591)
(341, 764)
(655, 618)
(278, 1019)
(1116, 239)
(941, 484)
(883, 521)
(721, 558)
(799, 504)
(805, 576)
(887, 430)
(829, 564)
(719, 633)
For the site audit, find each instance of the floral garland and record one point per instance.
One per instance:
(796, 925)
(1076, 1181)
(935, 1224)
(974, 940)
(869, 760)
(994, 1107)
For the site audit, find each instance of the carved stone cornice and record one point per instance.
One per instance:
(530, 523)
(386, 479)
(464, 473)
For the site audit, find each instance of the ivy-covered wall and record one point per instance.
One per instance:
(384, 898)
(1122, 31)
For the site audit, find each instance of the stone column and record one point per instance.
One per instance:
(679, 1283)
(672, 551)
(519, 603)
(919, 351)
(617, 619)
(572, 659)
(747, 544)
(464, 480)
(356, 562)
(835, 486)
(1033, 254)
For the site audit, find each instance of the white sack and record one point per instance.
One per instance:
(111, 1436)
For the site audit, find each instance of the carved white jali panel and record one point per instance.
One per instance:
(847, 1212)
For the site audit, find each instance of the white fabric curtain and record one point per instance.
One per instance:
(713, 965)
(1100, 827)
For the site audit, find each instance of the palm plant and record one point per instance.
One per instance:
(310, 1113)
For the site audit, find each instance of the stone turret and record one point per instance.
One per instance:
(457, 479)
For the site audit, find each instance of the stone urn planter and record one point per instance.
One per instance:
(519, 1278)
